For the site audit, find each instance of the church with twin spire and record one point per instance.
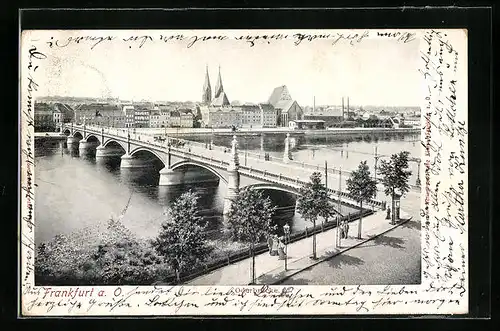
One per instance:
(220, 98)
(217, 111)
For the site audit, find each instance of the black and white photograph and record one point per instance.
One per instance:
(168, 159)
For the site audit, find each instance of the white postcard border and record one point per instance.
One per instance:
(444, 288)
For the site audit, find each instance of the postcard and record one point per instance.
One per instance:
(243, 172)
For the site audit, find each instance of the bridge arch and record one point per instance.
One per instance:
(282, 188)
(114, 142)
(92, 137)
(147, 150)
(275, 187)
(66, 132)
(78, 134)
(198, 164)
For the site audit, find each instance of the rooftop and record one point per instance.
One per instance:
(284, 104)
(279, 93)
(221, 100)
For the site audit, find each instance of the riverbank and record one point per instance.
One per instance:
(49, 135)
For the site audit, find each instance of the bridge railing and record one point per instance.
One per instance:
(242, 153)
(309, 166)
(295, 183)
(298, 164)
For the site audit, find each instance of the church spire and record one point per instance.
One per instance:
(207, 89)
(218, 87)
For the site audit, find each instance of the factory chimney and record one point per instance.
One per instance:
(347, 106)
(343, 118)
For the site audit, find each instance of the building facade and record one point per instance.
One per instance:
(250, 115)
(306, 125)
(175, 119)
(141, 117)
(268, 115)
(99, 114)
(128, 112)
(43, 117)
(225, 117)
(58, 117)
(159, 119)
(186, 119)
(330, 120)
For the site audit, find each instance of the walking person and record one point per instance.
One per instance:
(274, 250)
(270, 244)
(281, 249)
(347, 229)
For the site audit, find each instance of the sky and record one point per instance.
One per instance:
(375, 71)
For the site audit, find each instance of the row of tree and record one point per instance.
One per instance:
(181, 240)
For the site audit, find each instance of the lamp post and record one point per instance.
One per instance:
(286, 230)
(246, 149)
(418, 183)
(211, 138)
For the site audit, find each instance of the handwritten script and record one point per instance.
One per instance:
(34, 59)
(140, 41)
(189, 300)
(444, 141)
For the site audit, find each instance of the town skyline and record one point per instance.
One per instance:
(375, 72)
(43, 98)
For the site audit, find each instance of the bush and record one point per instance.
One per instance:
(127, 262)
(116, 257)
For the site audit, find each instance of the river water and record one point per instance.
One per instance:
(75, 192)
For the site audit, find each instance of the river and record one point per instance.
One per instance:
(75, 192)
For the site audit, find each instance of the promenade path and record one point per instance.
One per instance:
(269, 269)
(391, 258)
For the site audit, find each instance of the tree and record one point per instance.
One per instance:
(394, 176)
(181, 241)
(314, 201)
(121, 258)
(361, 187)
(250, 220)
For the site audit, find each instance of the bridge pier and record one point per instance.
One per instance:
(84, 146)
(169, 177)
(129, 161)
(233, 185)
(102, 151)
(72, 140)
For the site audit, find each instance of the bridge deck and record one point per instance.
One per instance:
(292, 173)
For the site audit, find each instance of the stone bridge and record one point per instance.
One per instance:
(178, 155)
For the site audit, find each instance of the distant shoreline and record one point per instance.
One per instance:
(254, 132)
